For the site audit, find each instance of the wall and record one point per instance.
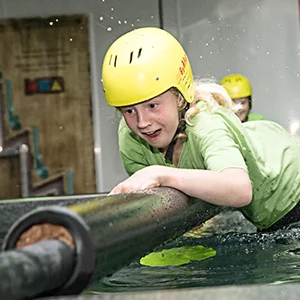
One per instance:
(108, 20)
(258, 38)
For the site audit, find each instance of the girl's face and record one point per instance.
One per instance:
(155, 120)
(243, 112)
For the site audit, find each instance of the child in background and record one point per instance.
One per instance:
(185, 135)
(239, 89)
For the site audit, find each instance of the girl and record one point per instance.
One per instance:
(184, 134)
(240, 91)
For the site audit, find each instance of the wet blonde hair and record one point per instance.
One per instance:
(213, 94)
(206, 90)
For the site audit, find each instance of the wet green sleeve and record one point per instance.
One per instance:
(218, 143)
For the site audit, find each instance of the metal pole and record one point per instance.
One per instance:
(24, 170)
(13, 209)
(111, 232)
(39, 269)
(1, 114)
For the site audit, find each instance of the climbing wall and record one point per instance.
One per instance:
(46, 92)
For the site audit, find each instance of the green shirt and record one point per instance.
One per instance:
(252, 116)
(218, 140)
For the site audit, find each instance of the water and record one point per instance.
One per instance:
(243, 257)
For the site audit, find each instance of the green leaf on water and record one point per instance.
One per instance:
(177, 256)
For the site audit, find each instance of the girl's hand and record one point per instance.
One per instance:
(145, 178)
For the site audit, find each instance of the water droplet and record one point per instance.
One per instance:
(109, 29)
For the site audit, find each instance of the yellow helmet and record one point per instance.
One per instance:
(237, 86)
(144, 63)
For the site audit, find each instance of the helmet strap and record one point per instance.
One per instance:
(181, 128)
(170, 151)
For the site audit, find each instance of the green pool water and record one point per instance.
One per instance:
(242, 257)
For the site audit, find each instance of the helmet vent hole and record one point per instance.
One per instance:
(115, 62)
(140, 52)
(131, 56)
(110, 59)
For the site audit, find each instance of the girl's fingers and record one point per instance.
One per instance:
(114, 191)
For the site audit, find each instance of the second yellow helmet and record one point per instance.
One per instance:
(237, 86)
(144, 63)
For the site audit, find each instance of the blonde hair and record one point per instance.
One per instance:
(213, 94)
(208, 91)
